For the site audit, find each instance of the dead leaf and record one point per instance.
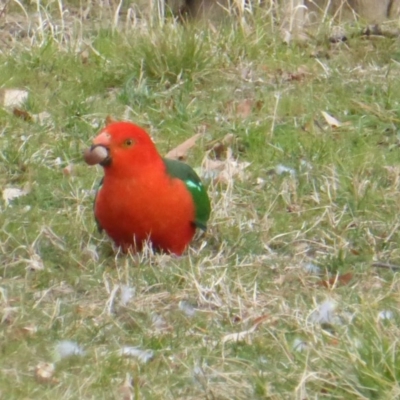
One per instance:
(303, 70)
(85, 56)
(41, 118)
(299, 75)
(218, 149)
(125, 389)
(286, 36)
(29, 330)
(337, 280)
(219, 146)
(91, 252)
(13, 97)
(260, 183)
(246, 73)
(338, 34)
(22, 114)
(331, 121)
(180, 152)
(12, 193)
(261, 319)
(67, 171)
(293, 208)
(87, 311)
(35, 263)
(229, 139)
(297, 36)
(8, 315)
(245, 335)
(44, 372)
(20, 333)
(223, 171)
(244, 108)
(212, 168)
(110, 120)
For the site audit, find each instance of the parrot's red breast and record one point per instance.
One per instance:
(139, 200)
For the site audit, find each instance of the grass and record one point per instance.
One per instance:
(255, 271)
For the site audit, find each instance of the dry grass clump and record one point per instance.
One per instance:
(288, 295)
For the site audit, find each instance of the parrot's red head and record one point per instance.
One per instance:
(122, 146)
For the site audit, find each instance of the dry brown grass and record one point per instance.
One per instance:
(280, 298)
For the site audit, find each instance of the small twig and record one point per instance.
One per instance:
(3, 11)
(380, 264)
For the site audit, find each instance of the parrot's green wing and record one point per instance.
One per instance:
(99, 227)
(184, 172)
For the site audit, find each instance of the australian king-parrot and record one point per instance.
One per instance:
(143, 196)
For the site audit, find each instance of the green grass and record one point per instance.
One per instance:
(338, 211)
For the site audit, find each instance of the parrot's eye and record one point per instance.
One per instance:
(128, 143)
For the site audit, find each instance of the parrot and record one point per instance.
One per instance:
(143, 196)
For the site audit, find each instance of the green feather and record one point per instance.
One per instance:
(184, 172)
(99, 227)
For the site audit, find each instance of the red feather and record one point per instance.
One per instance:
(138, 200)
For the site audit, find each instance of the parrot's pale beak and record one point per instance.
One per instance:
(103, 139)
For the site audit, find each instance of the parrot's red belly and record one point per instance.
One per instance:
(158, 209)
